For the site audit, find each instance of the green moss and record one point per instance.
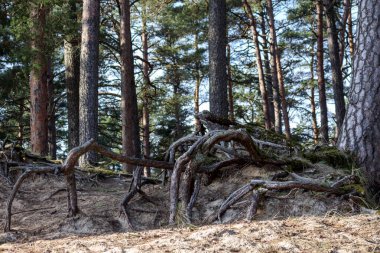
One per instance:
(297, 164)
(101, 170)
(357, 187)
(330, 155)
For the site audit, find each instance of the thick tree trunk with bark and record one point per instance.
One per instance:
(324, 129)
(260, 69)
(129, 110)
(337, 78)
(360, 131)
(38, 83)
(275, 83)
(217, 35)
(72, 63)
(88, 91)
(146, 99)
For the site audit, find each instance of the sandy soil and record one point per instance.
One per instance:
(305, 234)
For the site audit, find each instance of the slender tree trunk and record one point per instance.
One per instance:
(350, 35)
(346, 13)
(89, 71)
(72, 63)
(177, 105)
(198, 79)
(146, 114)
(312, 98)
(231, 113)
(217, 58)
(38, 83)
(268, 75)
(324, 129)
(337, 78)
(52, 131)
(360, 131)
(129, 114)
(284, 104)
(21, 126)
(260, 70)
(275, 82)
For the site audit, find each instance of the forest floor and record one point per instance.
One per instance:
(295, 221)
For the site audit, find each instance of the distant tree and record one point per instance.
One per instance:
(71, 62)
(217, 58)
(337, 77)
(275, 81)
(324, 129)
(360, 130)
(129, 110)
(89, 76)
(260, 68)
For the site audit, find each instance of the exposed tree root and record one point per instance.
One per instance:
(205, 155)
(259, 188)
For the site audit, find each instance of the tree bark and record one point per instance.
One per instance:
(146, 113)
(275, 83)
(337, 78)
(129, 114)
(360, 131)
(89, 71)
(324, 129)
(38, 83)
(263, 91)
(217, 58)
(72, 64)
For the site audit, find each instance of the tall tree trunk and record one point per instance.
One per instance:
(275, 83)
(21, 126)
(268, 75)
(129, 110)
(52, 131)
(260, 70)
(284, 103)
(89, 76)
(324, 129)
(177, 104)
(38, 83)
(146, 114)
(342, 39)
(198, 79)
(337, 78)
(72, 64)
(217, 35)
(312, 98)
(350, 35)
(231, 113)
(360, 131)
